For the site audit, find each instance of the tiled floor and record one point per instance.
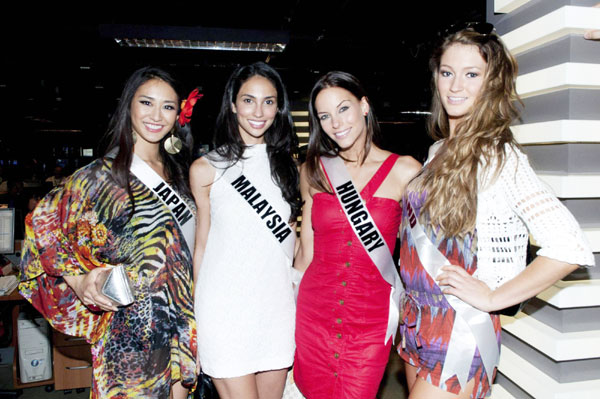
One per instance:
(392, 386)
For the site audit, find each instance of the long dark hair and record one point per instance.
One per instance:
(319, 144)
(119, 136)
(281, 140)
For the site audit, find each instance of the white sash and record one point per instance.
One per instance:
(181, 212)
(472, 328)
(369, 235)
(275, 225)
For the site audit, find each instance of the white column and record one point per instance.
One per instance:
(552, 348)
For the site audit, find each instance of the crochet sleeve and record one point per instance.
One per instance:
(552, 226)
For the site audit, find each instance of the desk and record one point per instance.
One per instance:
(13, 296)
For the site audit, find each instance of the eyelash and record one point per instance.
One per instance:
(343, 109)
(469, 74)
(249, 101)
(149, 104)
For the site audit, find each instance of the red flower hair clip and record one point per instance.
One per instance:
(187, 106)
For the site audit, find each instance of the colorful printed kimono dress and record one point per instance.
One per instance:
(139, 351)
(428, 317)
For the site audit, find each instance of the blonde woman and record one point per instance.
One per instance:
(466, 222)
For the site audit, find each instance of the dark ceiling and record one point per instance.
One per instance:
(59, 74)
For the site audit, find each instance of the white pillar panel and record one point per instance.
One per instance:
(560, 87)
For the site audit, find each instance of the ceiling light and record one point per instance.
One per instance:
(415, 112)
(202, 45)
(59, 130)
(197, 38)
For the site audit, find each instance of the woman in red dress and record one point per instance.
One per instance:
(343, 301)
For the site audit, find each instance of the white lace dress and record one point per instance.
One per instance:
(510, 207)
(244, 301)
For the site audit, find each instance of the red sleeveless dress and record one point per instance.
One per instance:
(343, 301)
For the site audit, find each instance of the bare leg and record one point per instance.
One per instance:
(411, 375)
(421, 389)
(243, 387)
(178, 391)
(271, 383)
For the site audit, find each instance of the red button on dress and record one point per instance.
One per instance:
(359, 340)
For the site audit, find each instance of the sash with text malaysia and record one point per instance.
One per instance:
(270, 218)
(369, 235)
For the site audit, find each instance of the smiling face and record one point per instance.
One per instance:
(342, 117)
(153, 111)
(256, 107)
(460, 78)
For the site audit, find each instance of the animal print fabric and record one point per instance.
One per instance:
(139, 351)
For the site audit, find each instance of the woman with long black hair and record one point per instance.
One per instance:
(247, 195)
(129, 211)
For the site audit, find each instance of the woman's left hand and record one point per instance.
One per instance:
(455, 280)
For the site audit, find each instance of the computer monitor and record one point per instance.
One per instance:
(7, 230)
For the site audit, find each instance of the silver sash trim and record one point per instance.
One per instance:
(274, 224)
(183, 215)
(380, 255)
(472, 328)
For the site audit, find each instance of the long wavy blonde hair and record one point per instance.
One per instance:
(450, 180)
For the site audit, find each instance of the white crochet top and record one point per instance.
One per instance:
(511, 204)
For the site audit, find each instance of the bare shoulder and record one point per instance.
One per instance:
(302, 168)
(202, 172)
(404, 162)
(405, 168)
(306, 189)
(202, 162)
(408, 164)
(304, 185)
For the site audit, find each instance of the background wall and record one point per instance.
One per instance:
(552, 348)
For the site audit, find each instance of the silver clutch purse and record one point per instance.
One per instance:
(117, 287)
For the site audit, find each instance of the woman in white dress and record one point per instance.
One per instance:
(246, 191)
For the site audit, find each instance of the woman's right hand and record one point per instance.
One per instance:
(593, 34)
(88, 288)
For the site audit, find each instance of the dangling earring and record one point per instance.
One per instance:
(173, 144)
(134, 135)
